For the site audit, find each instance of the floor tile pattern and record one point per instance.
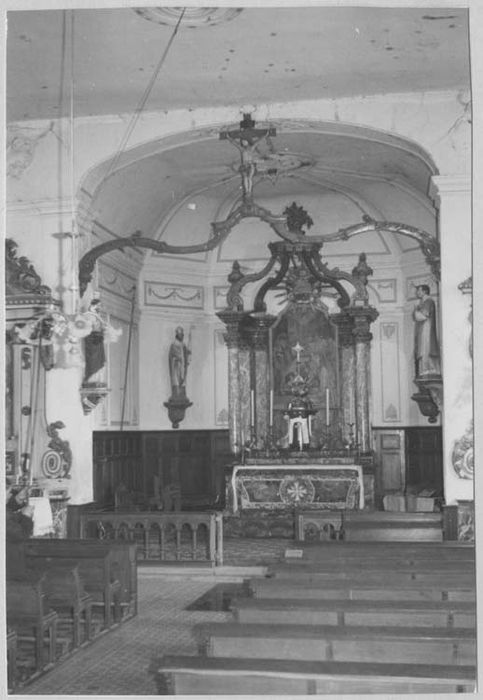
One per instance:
(117, 663)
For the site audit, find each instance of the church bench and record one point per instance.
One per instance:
(441, 551)
(333, 643)
(410, 590)
(122, 563)
(12, 677)
(96, 569)
(322, 575)
(30, 615)
(67, 596)
(356, 612)
(186, 675)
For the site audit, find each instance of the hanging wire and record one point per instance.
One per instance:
(74, 232)
(128, 355)
(137, 112)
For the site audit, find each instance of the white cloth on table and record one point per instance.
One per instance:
(42, 516)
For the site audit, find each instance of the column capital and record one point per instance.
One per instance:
(232, 320)
(448, 185)
(362, 317)
(345, 325)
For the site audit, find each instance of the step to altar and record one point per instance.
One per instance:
(334, 525)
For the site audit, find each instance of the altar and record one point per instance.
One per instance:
(335, 484)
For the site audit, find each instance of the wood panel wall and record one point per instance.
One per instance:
(141, 460)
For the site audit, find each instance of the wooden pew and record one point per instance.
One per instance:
(380, 552)
(188, 675)
(67, 596)
(12, 675)
(356, 612)
(445, 646)
(330, 590)
(29, 614)
(120, 566)
(96, 569)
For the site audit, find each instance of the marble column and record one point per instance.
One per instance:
(347, 374)
(244, 388)
(259, 340)
(362, 317)
(232, 340)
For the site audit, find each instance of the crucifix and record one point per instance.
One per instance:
(246, 139)
(298, 349)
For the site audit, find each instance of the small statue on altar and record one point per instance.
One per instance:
(299, 414)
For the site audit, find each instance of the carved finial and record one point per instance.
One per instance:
(297, 217)
(362, 269)
(236, 273)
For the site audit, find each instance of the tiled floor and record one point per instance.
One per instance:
(118, 662)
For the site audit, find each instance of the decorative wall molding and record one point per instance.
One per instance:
(115, 281)
(385, 290)
(219, 297)
(180, 296)
(462, 456)
(390, 372)
(21, 146)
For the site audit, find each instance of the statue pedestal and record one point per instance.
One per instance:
(177, 404)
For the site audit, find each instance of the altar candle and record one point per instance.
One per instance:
(271, 408)
(252, 408)
(327, 408)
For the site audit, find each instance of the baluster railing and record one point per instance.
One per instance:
(128, 524)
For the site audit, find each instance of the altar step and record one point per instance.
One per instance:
(186, 675)
(348, 613)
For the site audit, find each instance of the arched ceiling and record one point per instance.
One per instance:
(340, 174)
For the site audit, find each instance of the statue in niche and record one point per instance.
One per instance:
(179, 358)
(426, 348)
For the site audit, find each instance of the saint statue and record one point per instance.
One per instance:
(426, 348)
(179, 357)
(95, 354)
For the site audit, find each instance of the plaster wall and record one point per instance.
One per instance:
(454, 195)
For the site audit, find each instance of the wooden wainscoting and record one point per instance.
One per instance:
(141, 463)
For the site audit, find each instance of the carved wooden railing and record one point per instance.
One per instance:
(161, 536)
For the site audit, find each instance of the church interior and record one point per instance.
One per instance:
(239, 359)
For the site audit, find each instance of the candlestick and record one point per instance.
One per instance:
(327, 408)
(252, 408)
(270, 422)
